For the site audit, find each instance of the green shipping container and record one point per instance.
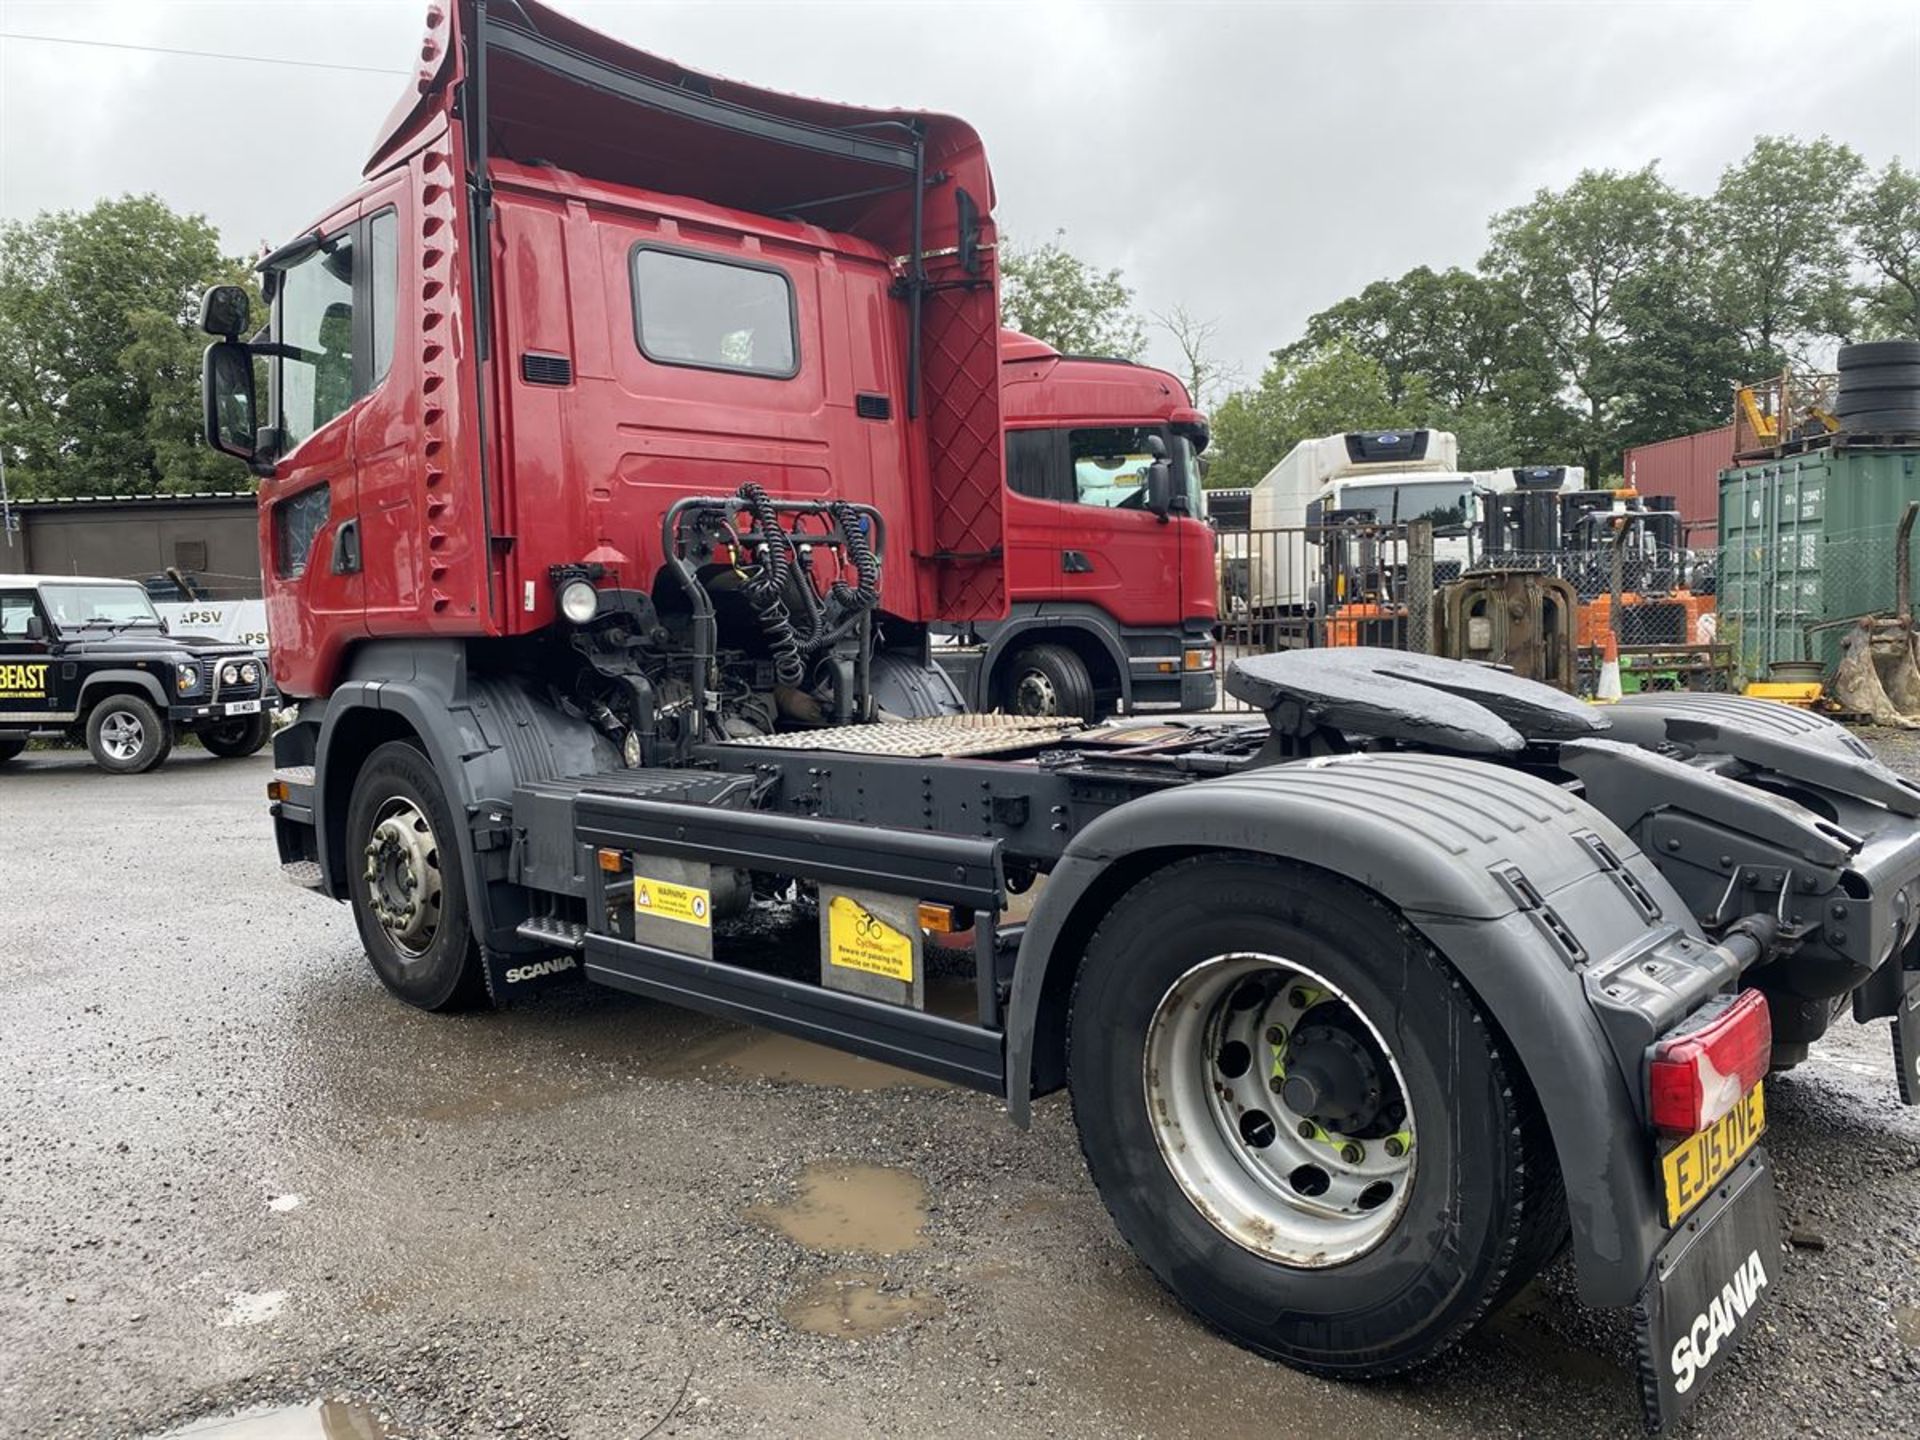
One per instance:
(1804, 539)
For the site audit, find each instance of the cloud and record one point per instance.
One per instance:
(1252, 162)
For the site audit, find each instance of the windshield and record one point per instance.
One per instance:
(75, 607)
(1444, 503)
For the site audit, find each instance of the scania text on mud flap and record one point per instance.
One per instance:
(91, 662)
(609, 500)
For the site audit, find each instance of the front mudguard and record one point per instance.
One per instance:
(1567, 936)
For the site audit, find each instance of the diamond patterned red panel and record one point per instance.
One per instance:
(960, 380)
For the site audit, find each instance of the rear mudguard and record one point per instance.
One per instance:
(1568, 937)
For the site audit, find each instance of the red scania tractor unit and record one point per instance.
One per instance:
(1110, 606)
(622, 442)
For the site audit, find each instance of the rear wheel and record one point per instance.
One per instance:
(403, 877)
(237, 738)
(126, 735)
(1047, 679)
(1299, 1119)
(10, 748)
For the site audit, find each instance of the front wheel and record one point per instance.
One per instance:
(1300, 1120)
(403, 877)
(1047, 679)
(236, 739)
(127, 736)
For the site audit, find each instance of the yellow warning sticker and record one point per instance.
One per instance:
(858, 939)
(687, 903)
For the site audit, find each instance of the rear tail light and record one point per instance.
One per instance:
(1695, 1078)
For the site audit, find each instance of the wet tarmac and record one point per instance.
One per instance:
(243, 1190)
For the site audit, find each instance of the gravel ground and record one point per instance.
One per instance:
(234, 1173)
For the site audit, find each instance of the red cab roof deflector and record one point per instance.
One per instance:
(559, 93)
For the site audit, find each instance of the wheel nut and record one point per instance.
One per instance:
(1396, 1147)
(1307, 1129)
(1276, 1035)
(1297, 999)
(1352, 1153)
(1276, 1083)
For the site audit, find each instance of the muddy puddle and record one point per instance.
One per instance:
(852, 1305)
(852, 1209)
(322, 1420)
(770, 1056)
(1906, 1324)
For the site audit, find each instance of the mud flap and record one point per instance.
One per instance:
(515, 978)
(1906, 1041)
(1705, 1291)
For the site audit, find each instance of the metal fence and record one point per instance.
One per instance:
(1309, 587)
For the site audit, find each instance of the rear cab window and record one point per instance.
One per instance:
(714, 314)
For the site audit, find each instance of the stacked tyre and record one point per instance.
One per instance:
(1879, 389)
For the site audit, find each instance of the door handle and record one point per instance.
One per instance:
(1075, 562)
(346, 549)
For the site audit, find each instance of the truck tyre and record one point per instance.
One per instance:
(1047, 679)
(10, 748)
(237, 738)
(407, 892)
(1299, 1119)
(126, 735)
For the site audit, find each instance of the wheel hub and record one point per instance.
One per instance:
(403, 876)
(1033, 694)
(1280, 1109)
(122, 735)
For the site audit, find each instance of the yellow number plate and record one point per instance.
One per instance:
(688, 904)
(857, 939)
(1700, 1162)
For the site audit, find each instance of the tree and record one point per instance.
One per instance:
(1053, 295)
(1457, 331)
(1204, 375)
(1885, 216)
(99, 358)
(1575, 258)
(1299, 397)
(1777, 224)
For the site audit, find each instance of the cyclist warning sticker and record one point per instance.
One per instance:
(858, 939)
(686, 903)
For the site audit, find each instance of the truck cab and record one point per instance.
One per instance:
(1111, 606)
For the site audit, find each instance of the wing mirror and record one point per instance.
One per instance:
(223, 311)
(231, 411)
(36, 628)
(1159, 479)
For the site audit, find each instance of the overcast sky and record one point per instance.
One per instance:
(1253, 162)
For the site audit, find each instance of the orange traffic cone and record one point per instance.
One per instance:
(1609, 689)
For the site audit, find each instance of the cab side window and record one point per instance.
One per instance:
(1036, 464)
(16, 608)
(316, 326)
(335, 315)
(1110, 466)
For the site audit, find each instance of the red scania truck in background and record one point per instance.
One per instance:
(1111, 607)
(626, 436)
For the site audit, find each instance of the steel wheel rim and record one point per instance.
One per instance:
(122, 735)
(1226, 1124)
(1033, 694)
(404, 884)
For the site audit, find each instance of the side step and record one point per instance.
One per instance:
(568, 935)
